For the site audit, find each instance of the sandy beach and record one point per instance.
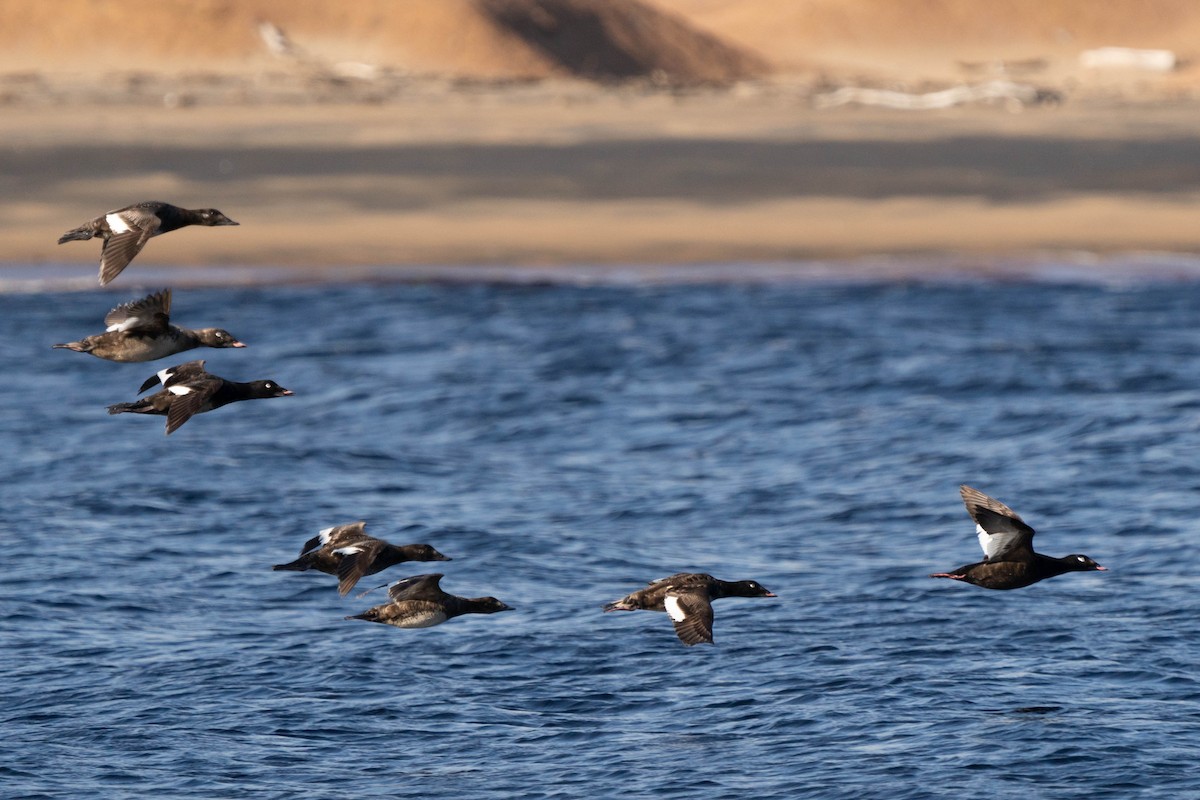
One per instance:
(490, 179)
(557, 171)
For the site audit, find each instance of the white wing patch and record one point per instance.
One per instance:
(116, 224)
(124, 325)
(997, 542)
(163, 374)
(674, 610)
(348, 550)
(987, 541)
(324, 535)
(179, 390)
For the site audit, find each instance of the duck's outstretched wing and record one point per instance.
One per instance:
(357, 558)
(692, 615)
(1003, 535)
(150, 315)
(189, 399)
(417, 587)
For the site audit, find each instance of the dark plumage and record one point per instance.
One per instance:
(1009, 559)
(141, 330)
(188, 390)
(126, 230)
(419, 602)
(687, 598)
(348, 552)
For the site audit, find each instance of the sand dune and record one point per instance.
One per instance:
(692, 39)
(497, 131)
(600, 39)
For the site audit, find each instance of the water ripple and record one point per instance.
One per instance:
(566, 444)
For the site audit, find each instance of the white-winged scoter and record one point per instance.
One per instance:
(126, 230)
(1009, 559)
(189, 390)
(419, 602)
(141, 330)
(349, 553)
(687, 598)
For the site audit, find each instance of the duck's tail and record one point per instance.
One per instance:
(78, 347)
(292, 566)
(952, 576)
(138, 406)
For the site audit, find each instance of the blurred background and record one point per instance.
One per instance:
(597, 132)
(566, 443)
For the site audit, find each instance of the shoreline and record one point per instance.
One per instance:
(532, 177)
(1076, 268)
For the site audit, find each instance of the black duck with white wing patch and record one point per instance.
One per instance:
(125, 231)
(1009, 560)
(188, 389)
(349, 553)
(141, 330)
(419, 602)
(687, 599)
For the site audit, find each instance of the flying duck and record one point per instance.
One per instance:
(348, 552)
(141, 330)
(419, 602)
(687, 598)
(126, 230)
(188, 390)
(1009, 560)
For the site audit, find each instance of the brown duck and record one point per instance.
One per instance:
(126, 230)
(1009, 560)
(419, 602)
(348, 552)
(141, 330)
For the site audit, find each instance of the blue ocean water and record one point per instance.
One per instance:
(566, 444)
